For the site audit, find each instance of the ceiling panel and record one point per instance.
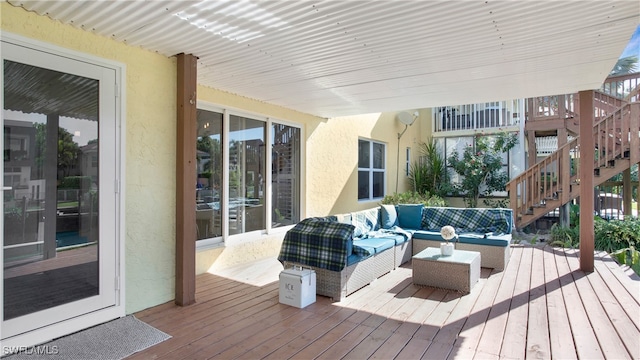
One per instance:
(332, 58)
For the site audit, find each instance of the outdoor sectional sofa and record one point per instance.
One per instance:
(349, 251)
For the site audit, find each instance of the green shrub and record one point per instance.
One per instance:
(629, 256)
(427, 174)
(614, 235)
(412, 197)
(563, 236)
(617, 237)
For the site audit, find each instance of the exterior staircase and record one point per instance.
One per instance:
(555, 181)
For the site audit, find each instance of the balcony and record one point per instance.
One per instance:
(472, 117)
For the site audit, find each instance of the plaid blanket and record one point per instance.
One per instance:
(318, 242)
(465, 220)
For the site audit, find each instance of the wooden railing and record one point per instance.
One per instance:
(545, 107)
(614, 93)
(610, 199)
(616, 137)
(623, 87)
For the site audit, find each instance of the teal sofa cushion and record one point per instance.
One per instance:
(410, 216)
(388, 216)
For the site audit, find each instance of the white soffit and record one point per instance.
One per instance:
(333, 58)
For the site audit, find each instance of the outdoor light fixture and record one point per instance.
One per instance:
(406, 119)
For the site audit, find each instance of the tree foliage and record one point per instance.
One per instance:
(481, 166)
(68, 150)
(626, 65)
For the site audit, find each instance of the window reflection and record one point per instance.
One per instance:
(247, 163)
(285, 175)
(209, 179)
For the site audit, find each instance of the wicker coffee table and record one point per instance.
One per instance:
(459, 271)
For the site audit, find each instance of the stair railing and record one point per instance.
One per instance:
(615, 136)
(623, 86)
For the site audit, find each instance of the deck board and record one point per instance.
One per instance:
(540, 306)
(560, 339)
(515, 333)
(492, 336)
(538, 343)
(603, 327)
(627, 331)
(583, 336)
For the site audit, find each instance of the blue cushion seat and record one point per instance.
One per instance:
(467, 238)
(377, 244)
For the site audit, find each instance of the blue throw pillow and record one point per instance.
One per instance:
(410, 216)
(388, 216)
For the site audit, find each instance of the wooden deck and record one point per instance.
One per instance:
(541, 306)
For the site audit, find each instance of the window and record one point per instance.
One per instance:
(234, 195)
(407, 167)
(371, 170)
(285, 175)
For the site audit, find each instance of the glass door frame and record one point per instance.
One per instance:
(110, 306)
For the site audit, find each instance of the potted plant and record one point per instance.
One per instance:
(447, 232)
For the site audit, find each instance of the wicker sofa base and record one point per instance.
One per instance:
(403, 253)
(495, 257)
(339, 284)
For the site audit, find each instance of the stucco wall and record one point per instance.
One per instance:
(332, 159)
(150, 151)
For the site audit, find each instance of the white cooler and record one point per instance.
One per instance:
(297, 287)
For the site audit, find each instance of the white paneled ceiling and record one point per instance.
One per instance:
(332, 58)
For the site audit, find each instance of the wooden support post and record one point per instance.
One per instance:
(186, 131)
(532, 149)
(626, 192)
(587, 158)
(564, 173)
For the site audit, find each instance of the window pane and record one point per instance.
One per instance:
(378, 184)
(285, 175)
(503, 156)
(363, 185)
(209, 168)
(247, 163)
(363, 154)
(51, 188)
(378, 156)
(459, 144)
